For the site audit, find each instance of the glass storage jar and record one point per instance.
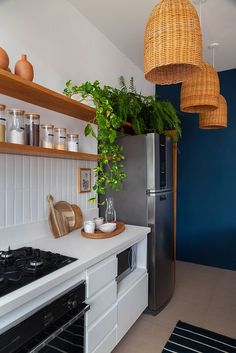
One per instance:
(15, 126)
(73, 142)
(47, 136)
(2, 123)
(60, 138)
(32, 122)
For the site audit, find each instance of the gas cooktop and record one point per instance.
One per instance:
(22, 266)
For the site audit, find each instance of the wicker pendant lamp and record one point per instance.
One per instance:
(201, 92)
(216, 119)
(172, 43)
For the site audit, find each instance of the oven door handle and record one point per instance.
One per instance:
(84, 308)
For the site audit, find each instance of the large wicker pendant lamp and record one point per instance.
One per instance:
(216, 119)
(173, 42)
(201, 92)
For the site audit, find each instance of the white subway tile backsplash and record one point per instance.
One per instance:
(26, 206)
(18, 206)
(2, 208)
(10, 172)
(26, 181)
(26, 171)
(10, 209)
(19, 171)
(2, 173)
(33, 173)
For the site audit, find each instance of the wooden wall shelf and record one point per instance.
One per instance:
(16, 87)
(11, 148)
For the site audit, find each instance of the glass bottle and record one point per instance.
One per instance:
(32, 122)
(47, 136)
(110, 213)
(2, 123)
(73, 142)
(15, 126)
(60, 138)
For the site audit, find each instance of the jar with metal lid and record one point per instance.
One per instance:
(15, 126)
(60, 138)
(73, 142)
(2, 123)
(47, 136)
(32, 122)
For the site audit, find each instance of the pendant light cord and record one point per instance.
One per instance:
(213, 57)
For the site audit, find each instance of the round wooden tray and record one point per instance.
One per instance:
(101, 235)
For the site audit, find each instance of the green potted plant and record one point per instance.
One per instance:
(115, 109)
(109, 171)
(149, 114)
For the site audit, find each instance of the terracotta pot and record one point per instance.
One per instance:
(4, 59)
(24, 68)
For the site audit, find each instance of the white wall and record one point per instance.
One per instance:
(61, 44)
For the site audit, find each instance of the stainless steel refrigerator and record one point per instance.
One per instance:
(146, 199)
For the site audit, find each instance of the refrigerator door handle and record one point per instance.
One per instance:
(156, 192)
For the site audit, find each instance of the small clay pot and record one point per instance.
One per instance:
(4, 59)
(24, 68)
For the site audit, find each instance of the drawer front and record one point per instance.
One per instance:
(100, 329)
(108, 343)
(100, 275)
(101, 302)
(131, 305)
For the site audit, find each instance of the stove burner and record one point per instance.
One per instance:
(20, 267)
(8, 254)
(36, 263)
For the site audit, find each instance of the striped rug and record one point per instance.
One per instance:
(189, 339)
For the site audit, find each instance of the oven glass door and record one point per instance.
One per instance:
(64, 336)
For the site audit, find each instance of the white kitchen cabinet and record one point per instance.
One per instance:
(108, 343)
(101, 302)
(114, 307)
(100, 329)
(131, 304)
(100, 275)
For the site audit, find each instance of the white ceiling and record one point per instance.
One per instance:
(123, 22)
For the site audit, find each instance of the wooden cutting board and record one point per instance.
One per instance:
(61, 218)
(120, 227)
(67, 215)
(78, 216)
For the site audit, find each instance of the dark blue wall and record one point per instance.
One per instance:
(206, 220)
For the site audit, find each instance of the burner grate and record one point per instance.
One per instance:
(22, 266)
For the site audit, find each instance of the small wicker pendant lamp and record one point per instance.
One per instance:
(172, 43)
(201, 92)
(216, 119)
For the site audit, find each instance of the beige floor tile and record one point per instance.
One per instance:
(204, 296)
(219, 321)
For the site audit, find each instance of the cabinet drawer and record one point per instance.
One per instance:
(108, 343)
(100, 275)
(131, 305)
(100, 329)
(101, 302)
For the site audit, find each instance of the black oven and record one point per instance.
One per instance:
(56, 328)
(127, 262)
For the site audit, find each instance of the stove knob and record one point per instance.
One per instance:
(72, 304)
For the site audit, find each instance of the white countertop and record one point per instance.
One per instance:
(88, 252)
